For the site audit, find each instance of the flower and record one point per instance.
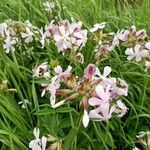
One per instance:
(41, 70)
(121, 88)
(104, 77)
(62, 74)
(136, 53)
(116, 38)
(28, 35)
(62, 39)
(85, 119)
(98, 26)
(38, 144)
(66, 35)
(121, 109)
(47, 34)
(106, 72)
(9, 44)
(104, 110)
(103, 96)
(102, 113)
(51, 88)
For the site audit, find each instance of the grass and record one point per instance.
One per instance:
(16, 124)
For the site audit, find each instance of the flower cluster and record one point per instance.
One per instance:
(15, 34)
(37, 143)
(136, 46)
(99, 93)
(66, 36)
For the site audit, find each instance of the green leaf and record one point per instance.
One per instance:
(68, 142)
(47, 111)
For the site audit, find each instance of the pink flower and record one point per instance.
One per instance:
(103, 110)
(62, 39)
(102, 113)
(103, 96)
(80, 38)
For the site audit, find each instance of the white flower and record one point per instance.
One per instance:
(9, 44)
(115, 41)
(136, 53)
(47, 33)
(38, 144)
(28, 35)
(51, 88)
(85, 119)
(121, 109)
(105, 79)
(98, 26)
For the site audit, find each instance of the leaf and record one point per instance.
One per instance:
(70, 139)
(47, 111)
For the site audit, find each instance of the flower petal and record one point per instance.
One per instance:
(85, 119)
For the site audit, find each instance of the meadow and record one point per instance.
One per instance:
(74, 75)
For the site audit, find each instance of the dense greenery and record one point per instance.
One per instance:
(64, 123)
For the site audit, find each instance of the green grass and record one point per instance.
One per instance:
(16, 124)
